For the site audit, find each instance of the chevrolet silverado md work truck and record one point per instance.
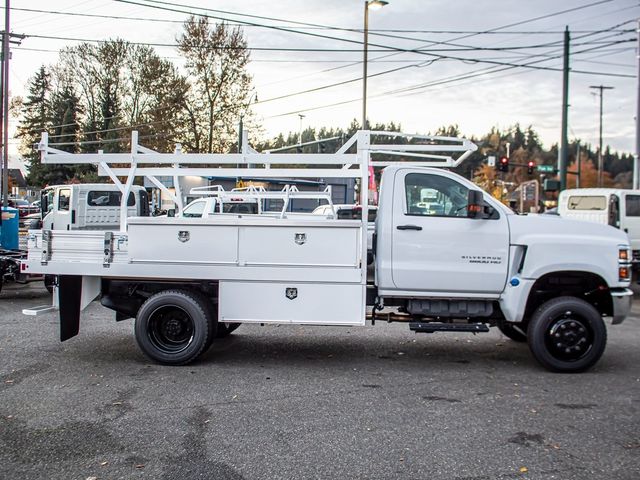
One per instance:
(446, 256)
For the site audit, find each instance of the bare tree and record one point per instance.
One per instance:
(216, 59)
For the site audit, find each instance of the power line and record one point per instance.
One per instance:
(355, 30)
(168, 7)
(487, 70)
(472, 60)
(106, 141)
(414, 88)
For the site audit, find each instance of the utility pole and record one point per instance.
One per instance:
(364, 65)
(601, 88)
(636, 174)
(5, 106)
(564, 141)
(578, 175)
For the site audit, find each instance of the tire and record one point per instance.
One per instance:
(567, 335)
(173, 327)
(225, 329)
(515, 331)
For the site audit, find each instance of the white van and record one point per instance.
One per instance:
(617, 207)
(89, 206)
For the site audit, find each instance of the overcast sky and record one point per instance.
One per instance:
(423, 95)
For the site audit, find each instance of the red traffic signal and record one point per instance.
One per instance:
(531, 165)
(503, 165)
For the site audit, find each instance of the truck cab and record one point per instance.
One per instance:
(89, 206)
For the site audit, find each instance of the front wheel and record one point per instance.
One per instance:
(174, 327)
(567, 334)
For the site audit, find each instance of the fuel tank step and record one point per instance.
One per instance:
(448, 327)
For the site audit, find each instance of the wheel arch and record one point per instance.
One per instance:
(587, 286)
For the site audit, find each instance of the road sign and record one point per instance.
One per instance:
(546, 168)
(491, 161)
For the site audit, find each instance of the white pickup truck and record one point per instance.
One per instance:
(462, 265)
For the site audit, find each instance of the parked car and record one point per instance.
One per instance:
(23, 206)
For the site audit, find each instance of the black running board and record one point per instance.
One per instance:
(448, 327)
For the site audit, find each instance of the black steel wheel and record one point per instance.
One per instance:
(515, 331)
(567, 334)
(174, 327)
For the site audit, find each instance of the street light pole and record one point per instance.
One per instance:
(636, 160)
(374, 5)
(600, 156)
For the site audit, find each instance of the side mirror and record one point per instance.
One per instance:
(171, 212)
(475, 204)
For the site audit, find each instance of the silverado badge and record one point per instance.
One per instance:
(291, 293)
(183, 236)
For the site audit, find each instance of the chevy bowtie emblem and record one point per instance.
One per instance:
(183, 236)
(291, 293)
(301, 238)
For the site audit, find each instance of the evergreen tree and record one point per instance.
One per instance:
(35, 120)
(65, 119)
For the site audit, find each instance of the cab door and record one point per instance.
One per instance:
(436, 248)
(59, 205)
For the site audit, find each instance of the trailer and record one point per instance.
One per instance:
(447, 256)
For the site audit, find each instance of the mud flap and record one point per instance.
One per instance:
(69, 294)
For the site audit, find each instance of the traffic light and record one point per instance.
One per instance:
(503, 166)
(531, 165)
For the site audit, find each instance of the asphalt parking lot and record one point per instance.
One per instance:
(296, 402)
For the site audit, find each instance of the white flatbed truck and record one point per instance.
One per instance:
(468, 264)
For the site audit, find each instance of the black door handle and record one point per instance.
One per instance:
(409, 227)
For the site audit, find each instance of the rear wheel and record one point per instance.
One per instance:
(173, 327)
(567, 334)
(515, 331)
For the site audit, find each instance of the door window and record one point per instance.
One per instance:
(632, 205)
(195, 210)
(97, 198)
(435, 195)
(64, 198)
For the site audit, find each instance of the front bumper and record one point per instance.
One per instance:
(622, 298)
